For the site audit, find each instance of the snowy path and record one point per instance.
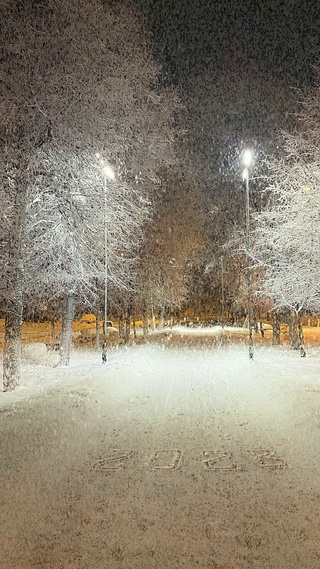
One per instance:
(164, 458)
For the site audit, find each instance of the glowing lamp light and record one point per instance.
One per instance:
(108, 172)
(247, 158)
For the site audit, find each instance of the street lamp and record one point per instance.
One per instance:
(247, 161)
(108, 174)
(222, 294)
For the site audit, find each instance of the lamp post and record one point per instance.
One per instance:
(108, 173)
(222, 294)
(247, 161)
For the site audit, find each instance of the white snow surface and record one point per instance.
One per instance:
(164, 457)
(145, 367)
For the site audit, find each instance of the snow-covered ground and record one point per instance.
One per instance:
(197, 330)
(165, 457)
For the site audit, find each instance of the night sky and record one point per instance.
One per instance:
(281, 35)
(241, 66)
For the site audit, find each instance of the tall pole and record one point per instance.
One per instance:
(105, 263)
(246, 175)
(108, 173)
(222, 293)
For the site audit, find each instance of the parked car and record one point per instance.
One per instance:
(110, 328)
(87, 326)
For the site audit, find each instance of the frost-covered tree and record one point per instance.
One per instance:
(287, 236)
(78, 229)
(287, 241)
(77, 77)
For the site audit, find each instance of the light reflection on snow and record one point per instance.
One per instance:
(132, 370)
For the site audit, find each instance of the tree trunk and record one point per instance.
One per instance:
(301, 337)
(161, 317)
(153, 323)
(97, 332)
(121, 327)
(12, 345)
(52, 331)
(171, 317)
(145, 323)
(293, 329)
(66, 332)
(127, 327)
(14, 305)
(276, 328)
